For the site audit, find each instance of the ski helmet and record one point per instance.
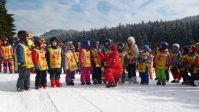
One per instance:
(164, 44)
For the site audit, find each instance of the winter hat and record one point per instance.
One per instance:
(68, 44)
(114, 48)
(53, 39)
(22, 34)
(176, 45)
(164, 44)
(109, 41)
(35, 37)
(146, 47)
(38, 41)
(85, 44)
(132, 39)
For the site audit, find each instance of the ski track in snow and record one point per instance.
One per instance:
(126, 97)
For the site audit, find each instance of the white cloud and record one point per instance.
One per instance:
(55, 15)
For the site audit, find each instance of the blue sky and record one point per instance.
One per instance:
(40, 16)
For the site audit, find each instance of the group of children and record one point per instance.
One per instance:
(108, 64)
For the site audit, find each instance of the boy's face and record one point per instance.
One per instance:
(5, 42)
(106, 43)
(54, 43)
(119, 47)
(160, 46)
(174, 48)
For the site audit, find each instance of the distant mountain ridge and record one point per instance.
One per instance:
(56, 32)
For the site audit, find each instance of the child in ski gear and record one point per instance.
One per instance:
(40, 63)
(114, 71)
(54, 56)
(106, 52)
(31, 46)
(175, 56)
(143, 65)
(85, 62)
(77, 48)
(70, 63)
(7, 56)
(168, 67)
(122, 54)
(183, 67)
(132, 54)
(191, 61)
(161, 62)
(23, 60)
(150, 65)
(96, 63)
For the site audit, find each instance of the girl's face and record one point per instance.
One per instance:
(54, 43)
(97, 45)
(143, 50)
(160, 46)
(129, 42)
(190, 50)
(174, 48)
(182, 51)
(72, 46)
(43, 45)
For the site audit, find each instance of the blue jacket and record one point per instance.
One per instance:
(20, 53)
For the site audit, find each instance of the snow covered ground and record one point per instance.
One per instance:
(127, 98)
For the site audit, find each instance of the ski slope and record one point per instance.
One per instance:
(126, 97)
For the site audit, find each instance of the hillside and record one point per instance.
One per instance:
(186, 29)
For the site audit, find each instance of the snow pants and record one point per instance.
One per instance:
(55, 73)
(112, 74)
(85, 74)
(161, 74)
(176, 73)
(40, 78)
(144, 76)
(97, 74)
(7, 64)
(23, 81)
(131, 68)
(185, 76)
(194, 76)
(70, 76)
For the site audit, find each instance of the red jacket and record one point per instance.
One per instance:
(113, 60)
(35, 57)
